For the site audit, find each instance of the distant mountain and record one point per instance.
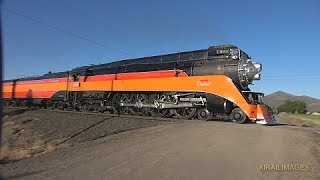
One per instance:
(278, 98)
(314, 107)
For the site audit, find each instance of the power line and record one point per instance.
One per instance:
(292, 78)
(66, 32)
(294, 75)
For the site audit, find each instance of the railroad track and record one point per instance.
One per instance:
(98, 113)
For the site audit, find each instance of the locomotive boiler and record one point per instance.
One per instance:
(204, 84)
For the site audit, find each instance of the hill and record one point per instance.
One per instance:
(278, 98)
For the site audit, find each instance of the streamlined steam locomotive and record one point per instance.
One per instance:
(203, 84)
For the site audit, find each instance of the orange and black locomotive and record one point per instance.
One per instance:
(203, 84)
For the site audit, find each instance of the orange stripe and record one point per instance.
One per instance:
(99, 82)
(6, 94)
(41, 87)
(7, 88)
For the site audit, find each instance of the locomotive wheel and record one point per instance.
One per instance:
(124, 99)
(89, 107)
(204, 114)
(60, 105)
(77, 107)
(24, 103)
(185, 113)
(16, 104)
(83, 107)
(54, 105)
(137, 98)
(157, 112)
(7, 103)
(238, 116)
(115, 103)
(49, 104)
(120, 98)
(70, 106)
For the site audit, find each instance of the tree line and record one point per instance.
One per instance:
(298, 107)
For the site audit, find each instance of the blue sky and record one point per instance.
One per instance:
(283, 35)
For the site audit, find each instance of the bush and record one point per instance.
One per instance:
(293, 107)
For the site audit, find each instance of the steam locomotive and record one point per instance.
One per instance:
(203, 84)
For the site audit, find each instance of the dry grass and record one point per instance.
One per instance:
(307, 117)
(294, 120)
(11, 154)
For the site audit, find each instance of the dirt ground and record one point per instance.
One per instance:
(29, 133)
(155, 149)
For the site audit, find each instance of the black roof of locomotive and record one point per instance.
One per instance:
(45, 76)
(174, 57)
